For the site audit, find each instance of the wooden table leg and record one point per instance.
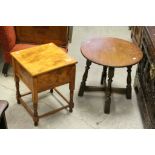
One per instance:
(128, 87)
(104, 75)
(108, 91)
(71, 88)
(18, 95)
(83, 83)
(71, 103)
(35, 103)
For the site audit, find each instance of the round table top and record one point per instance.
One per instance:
(112, 52)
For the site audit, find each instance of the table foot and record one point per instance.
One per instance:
(36, 123)
(70, 110)
(51, 91)
(107, 106)
(3, 122)
(5, 69)
(18, 101)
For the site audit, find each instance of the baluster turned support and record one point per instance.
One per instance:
(108, 91)
(104, 75)
(18, 95)
(35, 103)
(128, 87)
(83, 83)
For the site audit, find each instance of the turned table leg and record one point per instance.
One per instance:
(35, 103)
(35, 108)
(104, 75)
(128, 87)
(71, 103)
(108, 91)
(17, 89)
(71, 88)
(83, 83)
(3, 123)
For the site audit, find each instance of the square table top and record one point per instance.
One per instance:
(43, 58)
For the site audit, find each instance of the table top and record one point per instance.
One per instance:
(43, 58)
(112, 52)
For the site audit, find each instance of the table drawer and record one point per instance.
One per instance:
(55, 78)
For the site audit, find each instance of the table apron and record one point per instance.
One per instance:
(24, 75)
(55, 78)
(47, 80)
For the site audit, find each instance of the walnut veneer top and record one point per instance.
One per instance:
(111, 52)
(43, 58)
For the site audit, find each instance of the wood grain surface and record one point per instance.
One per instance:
(43, 58)
(111, 52)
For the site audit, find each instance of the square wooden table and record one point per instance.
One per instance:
(41, 68)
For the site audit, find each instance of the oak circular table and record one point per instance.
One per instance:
(111, 53)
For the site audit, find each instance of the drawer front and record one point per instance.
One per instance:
(55, 78)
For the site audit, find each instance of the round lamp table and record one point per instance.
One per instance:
(111, 53)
